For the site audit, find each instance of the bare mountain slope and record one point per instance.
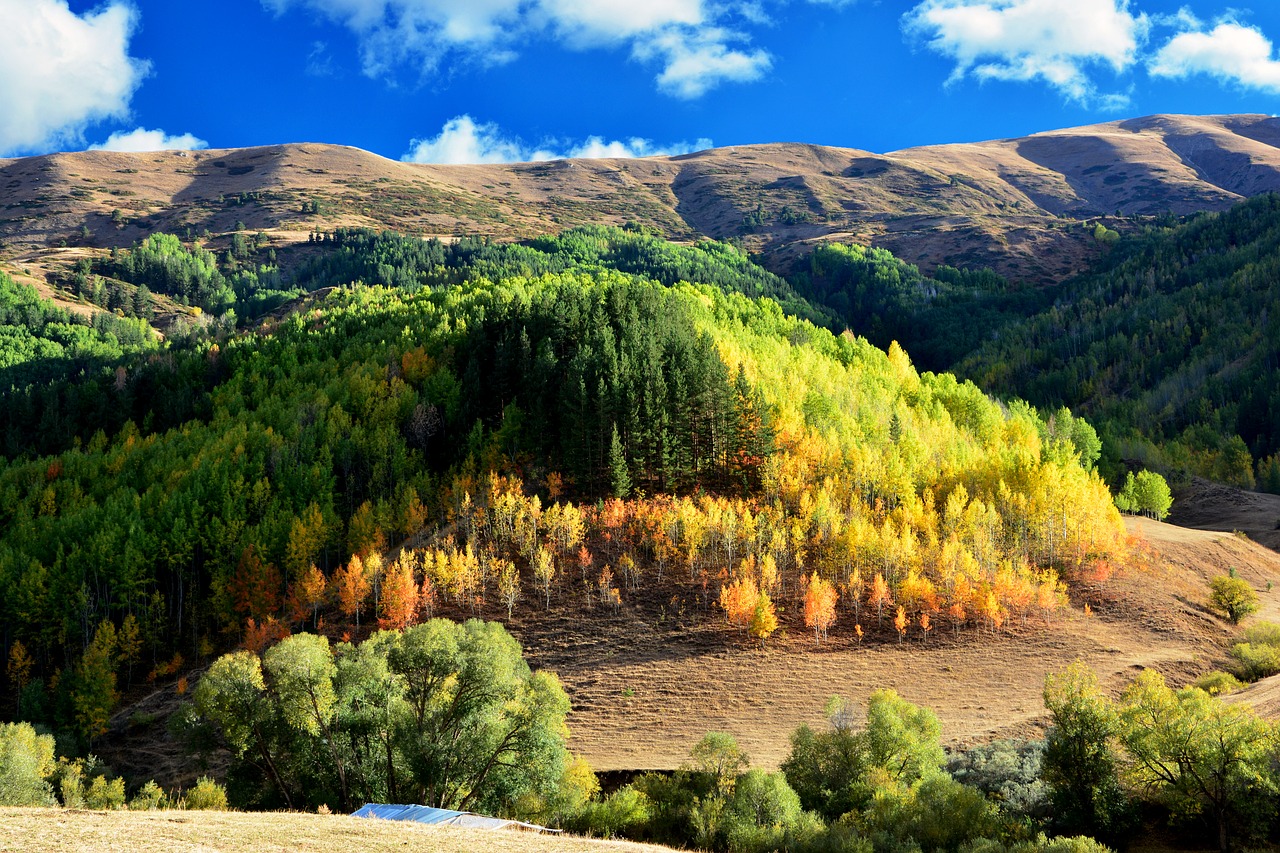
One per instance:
(1012, 204)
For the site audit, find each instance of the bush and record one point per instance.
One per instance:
(1254, 662)
(939, 813)
(1008, 773)
(105, 795)
(624, 813)
(1218, 682)
(149, 798)
(207, 795)
(1233, 597)
(26, 759)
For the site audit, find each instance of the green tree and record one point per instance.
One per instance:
(1079, 764)
(94, 695)
(1200, 755)
(1151, 495)
(26, 762)
(1233, 597)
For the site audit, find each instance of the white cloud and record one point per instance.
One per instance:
(141, 139)
(697, 62)
(1051, 41)
(690, 40)
(463, 141)
(60, 72)
(1230, 52)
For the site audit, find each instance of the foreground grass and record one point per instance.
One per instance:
(34, 830)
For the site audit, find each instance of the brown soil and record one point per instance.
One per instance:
(1212, 506)
(1022, 206)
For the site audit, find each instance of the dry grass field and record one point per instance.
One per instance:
(60, 831)
(644, 693)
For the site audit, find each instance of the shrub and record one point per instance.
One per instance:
(207, 795)
(1233, 597)
(105, 795)
(1008, 773)
(624, 813)
(149, 798)
(1218, 682)
(26, 759)
(1256, 661)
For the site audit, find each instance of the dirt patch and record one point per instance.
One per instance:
(1207, 505)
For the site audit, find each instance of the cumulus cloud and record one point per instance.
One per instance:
(141, 139)
(691, 41)
(463, 141)
(61, 72)
(1231, 52)
(1033, 40)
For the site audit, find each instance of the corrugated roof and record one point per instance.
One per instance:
(444, 817)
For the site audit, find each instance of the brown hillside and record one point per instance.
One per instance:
(644, 691)
(1013, 204)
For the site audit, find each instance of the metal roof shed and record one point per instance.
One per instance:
(444, 817)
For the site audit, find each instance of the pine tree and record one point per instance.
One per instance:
(619, 475)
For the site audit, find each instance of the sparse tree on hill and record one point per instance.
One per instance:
(1233, 596)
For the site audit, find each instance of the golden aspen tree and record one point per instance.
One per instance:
(398, 603)
(508, 583)
(880, 596)
(426, 597)
(19, 671)
(351, 587)
(311, 588)
(857, 632)
(925, 625)
(764, 620)
(739, 600)
(900, 623)
(544, 572)
(819, 606)
(610, 596)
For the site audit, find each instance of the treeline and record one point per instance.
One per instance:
(406, 263)
(939, 318)
(1172, 346)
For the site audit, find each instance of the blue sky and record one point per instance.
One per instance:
(472, 80)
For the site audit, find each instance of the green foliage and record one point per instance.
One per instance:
(838, 771)
(1146, 493)
(1217, 683)
(26, 761)
(1200, 755)
(1233, 597)
(939, 319)
(104, 794)
(1258, 654)
(207, 795)
(937, 813)
(150, 797)
(1079, 764)
(1009, 773)
(441, 713)
(1172, 343)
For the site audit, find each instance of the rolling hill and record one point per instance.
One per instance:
(1013, 205)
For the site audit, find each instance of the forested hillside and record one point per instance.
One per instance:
(1172, 347)
(565, 425)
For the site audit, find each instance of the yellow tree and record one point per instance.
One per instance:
(311, 590)
(900, 623)
(880, 596)
(351, 586)
(739, 600)
(398, 603)
(819, 606)
(544, 572)
(764, 620)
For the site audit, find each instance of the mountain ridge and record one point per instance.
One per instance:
(1015, 205)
